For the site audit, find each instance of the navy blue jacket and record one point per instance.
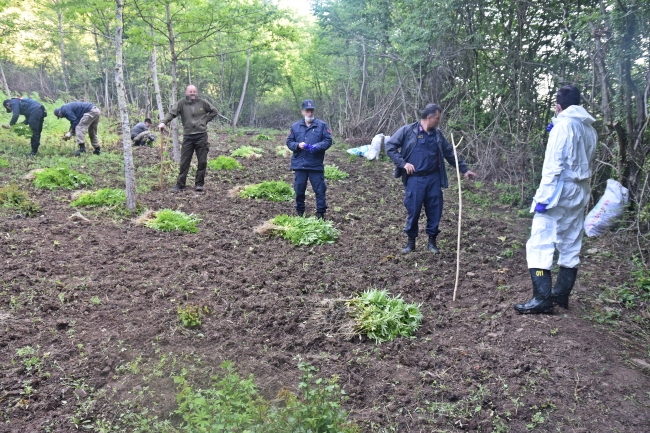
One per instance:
(406, 138)
(74, 111)
(24, 106)
(318, 134)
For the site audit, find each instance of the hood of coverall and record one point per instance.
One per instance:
(576, 112)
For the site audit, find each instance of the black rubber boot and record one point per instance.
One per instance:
(410, 246)
(300, 213)
(431, 246)
(320, 215)
(540, 302)
(82, 149)
(176, 189)
(566, 278)
(97, 150)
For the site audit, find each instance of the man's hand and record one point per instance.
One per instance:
(410, 168)
(67, 136)
(161, 126)
(301, 145)
(540, 208)
(469, 174)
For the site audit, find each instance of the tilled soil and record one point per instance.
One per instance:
(97, 301)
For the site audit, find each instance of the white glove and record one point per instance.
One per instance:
(161, 126)
(68, 134)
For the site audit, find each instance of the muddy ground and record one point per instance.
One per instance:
(97, 302)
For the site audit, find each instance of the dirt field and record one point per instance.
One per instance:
(97, 302)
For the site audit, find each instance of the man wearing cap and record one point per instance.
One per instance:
(140, 133)
(195, 113)
(308, 139)
(84, 118)
(34, 113)
(419, 164)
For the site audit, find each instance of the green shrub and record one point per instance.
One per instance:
(304, 231)
(247, 152)
(104, 197)
(272, 190)
(223, 162)
(61, 177)
(4, 163)
(332, 172)
(13, 198)
(168, 220)
(22, 130)
(382, 317)
(232, 404)
(190, 316)
(263, 137)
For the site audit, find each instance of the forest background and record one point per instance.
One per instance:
(370, 66)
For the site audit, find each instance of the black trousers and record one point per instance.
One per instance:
(35, 122)
(195, 143)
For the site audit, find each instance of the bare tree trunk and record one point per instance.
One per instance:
(363, 79)
(154, 76)
(63, 65)
(243, 90)
(172, 50)
(5, 85)
(129, 170)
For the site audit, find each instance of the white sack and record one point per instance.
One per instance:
(610, 206)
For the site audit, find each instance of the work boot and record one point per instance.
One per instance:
(176, 189)
(566, 278)
(320, 215)
(82, 149)
(97, 150)
(431, 246)
(198, 188)
(300, 213)
(410, 245)
(540, 302)
(31, 154)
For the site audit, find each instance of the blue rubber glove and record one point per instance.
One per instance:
(541, 208)
(311, 147)
(549, 127)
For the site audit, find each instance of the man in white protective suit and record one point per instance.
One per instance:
(559, 204)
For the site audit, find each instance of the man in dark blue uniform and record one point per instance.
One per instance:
(34, 113)
(419, 164)
(308, 139)
(84, 118)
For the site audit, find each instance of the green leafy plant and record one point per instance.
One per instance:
(382, 317)
(247, 152)
(168, 220)
(269, 190)
(283, 151)
(223, 162)
(304, 231)
(103, 197)
(190, 316)
(13, 198)
(332, 172)
(22, 130)
(4, 163)
(263, 137)
(508, 194)
(61, 177)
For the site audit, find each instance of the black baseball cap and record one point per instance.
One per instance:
(308, 104)
(4, 104)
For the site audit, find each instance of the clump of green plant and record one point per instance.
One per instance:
(272, 190)
(190, 316)
(61, 177)
(223, 162)
(383, 317)
(263, 137)
(233, 404)
(4, 163)
(524, 213)
(29, 358)
(247, 152)
(168, 220)
(109, 197)
(508, 194)
(282, 151)
(332, 172)
(304, 231)
(13, 198)
(22, 130)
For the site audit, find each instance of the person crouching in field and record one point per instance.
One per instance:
(83, 117)
(140, 134)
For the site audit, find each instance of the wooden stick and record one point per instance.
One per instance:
(162, 157)
(460, 211)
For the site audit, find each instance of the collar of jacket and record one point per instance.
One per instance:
(302, 122)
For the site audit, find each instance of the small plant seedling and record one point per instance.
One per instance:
(247, 152)
(223, 162)
(269, 190)
(4, 163)
(190, 316)
(61, 177)
(304, 231)
(95, 300)
(13, 198)
(104, 197)
(263, 137)
(332, 172)
(168, 220)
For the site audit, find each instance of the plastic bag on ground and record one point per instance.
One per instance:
(610, 206)
(370, 151)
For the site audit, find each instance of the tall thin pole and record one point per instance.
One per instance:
(460, 211)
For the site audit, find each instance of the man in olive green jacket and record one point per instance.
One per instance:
(195, 113)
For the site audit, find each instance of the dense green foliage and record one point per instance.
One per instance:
(103, 197)
(247, 152)
(305, 231)
(168, 220)
(332, 172)
(4, 163)
(383, 317)
(223, 162)
(22, 130)
(272, 190)
(61, 177)
(11, 197)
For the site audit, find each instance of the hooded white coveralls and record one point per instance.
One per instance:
(565, 190)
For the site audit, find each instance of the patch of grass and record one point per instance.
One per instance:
(4, 163)
(109, 197)
(190, 316)
(61, 177)
(223, 162)
(11, 197)
(525, 213)
(383, 317)
(332, 172)
(304, 231)
(480, 199)
(271, 190)
(263, 137)
(508, 194)
(247, 152)
(168, 220)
